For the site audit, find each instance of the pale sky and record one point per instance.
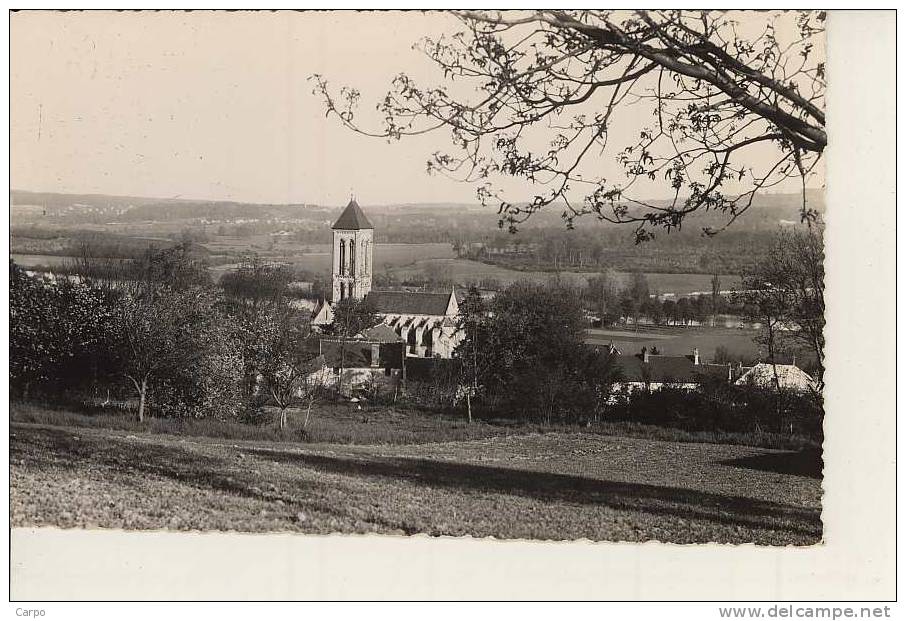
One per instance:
(218, 105)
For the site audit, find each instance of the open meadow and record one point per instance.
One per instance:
(317, 257)
(481, 480)
(739, 343)
(46, 260)
(465, 270)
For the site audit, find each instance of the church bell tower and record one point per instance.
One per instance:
(353, 238)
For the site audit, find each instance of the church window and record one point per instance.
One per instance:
(352, 257)
(342, 290)
(342, 257)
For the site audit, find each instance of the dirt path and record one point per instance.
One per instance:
(550, 486)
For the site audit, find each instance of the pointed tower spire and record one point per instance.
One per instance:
(353, 236)
(352, 219)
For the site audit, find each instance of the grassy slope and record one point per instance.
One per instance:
(347, 423)
(341, 423)
(550, 486)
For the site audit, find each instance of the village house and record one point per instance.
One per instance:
(652, 372)
(789, 377)
(371, 361)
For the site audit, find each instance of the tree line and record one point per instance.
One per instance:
(595, 247)
(156, 333)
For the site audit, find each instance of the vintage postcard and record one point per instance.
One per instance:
(529, 275)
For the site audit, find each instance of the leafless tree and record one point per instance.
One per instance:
(786, 294)
(291, 362)
(537, 95)
(255, 292)
(159, 334)
(801, 260)
(789, 287)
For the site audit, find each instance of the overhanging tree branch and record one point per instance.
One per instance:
(563, 75)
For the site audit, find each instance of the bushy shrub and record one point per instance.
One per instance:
(209, 390)
(526, 357)
(180, 344)
(719, 406)
(62, 334)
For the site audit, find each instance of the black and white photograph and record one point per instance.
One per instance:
(526, 275)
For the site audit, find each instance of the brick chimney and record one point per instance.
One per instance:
(695, 358)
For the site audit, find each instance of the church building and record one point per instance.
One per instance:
(424, 322)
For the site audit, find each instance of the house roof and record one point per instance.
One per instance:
(353, 354)
(662, 369)
(382, 333)
(409, 303)
(352, 218)
(722, 371)
(789, 375)
(322, 315)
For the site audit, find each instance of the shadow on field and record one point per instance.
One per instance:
(805, 463)
(44, 448)
(128, 460)
(652, 499)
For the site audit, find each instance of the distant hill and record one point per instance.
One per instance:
(767, 211)
(141, 208)
(54, 200)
